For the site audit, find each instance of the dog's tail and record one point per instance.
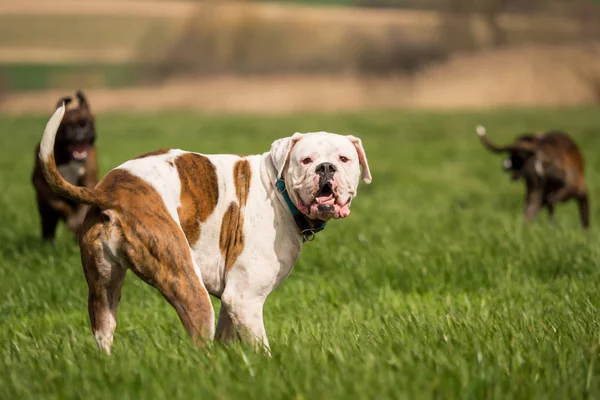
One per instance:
(55, 180)
(482, 133)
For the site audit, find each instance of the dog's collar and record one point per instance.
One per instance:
(308, 228)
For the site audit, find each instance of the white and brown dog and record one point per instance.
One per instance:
(192, 224)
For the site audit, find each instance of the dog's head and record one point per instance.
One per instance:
(523, 155)
(321, 171)
(77, 132)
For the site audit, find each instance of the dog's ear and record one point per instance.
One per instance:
(280, 151)
(66, 100)
(362, 158)
(83, 103)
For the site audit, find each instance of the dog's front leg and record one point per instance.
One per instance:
(533, 204)
(241, 317)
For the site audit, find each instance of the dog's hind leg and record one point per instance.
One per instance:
(584, 209)
(550, 208)
(104, 274)
(185, 291)
(105, 279)
(162, 258)
(103, 300)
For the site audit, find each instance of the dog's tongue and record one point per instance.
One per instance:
(325, 199)
(80, 151)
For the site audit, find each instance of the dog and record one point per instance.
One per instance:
(192, 225)
(75, 156)
(551, 166)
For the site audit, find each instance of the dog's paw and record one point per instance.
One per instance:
(480, 129)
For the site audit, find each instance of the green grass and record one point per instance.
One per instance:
(432, 288)
(33, 76)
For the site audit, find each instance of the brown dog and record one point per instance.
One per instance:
(75, 156)
(552, 167)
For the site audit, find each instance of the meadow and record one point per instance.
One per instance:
(432, 287)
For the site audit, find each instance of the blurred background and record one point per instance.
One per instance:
(287, 56)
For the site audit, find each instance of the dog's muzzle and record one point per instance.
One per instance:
(326, 172)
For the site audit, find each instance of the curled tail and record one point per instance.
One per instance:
(55, 180)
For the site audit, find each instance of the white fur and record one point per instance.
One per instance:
(539, 167)
(480, 129)
(320, 147)
(161, 175)
(104, 340)
(47, 144)
(280, 151)
(272, 241)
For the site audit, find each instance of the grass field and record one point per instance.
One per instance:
(32, 76)
(432, 288)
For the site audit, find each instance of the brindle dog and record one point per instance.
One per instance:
(75, 156)
(552, 167)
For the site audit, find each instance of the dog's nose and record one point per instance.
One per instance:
(326, 169)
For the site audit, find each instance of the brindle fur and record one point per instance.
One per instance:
(553, 170)
(52, 207)
(139, 221)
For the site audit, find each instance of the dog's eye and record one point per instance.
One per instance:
(306, 161)
(344, 159)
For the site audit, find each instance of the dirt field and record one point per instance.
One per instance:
(145, 8)
(530, 75)
(75, 24)
(70, 26)
(549, 76)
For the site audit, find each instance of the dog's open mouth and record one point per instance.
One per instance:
(325, 196)
(80, 151)
(326, 205)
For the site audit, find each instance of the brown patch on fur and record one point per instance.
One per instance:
(231, 240)
(153, 153)
(241, 176)
(199, 192)
(151, 243)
